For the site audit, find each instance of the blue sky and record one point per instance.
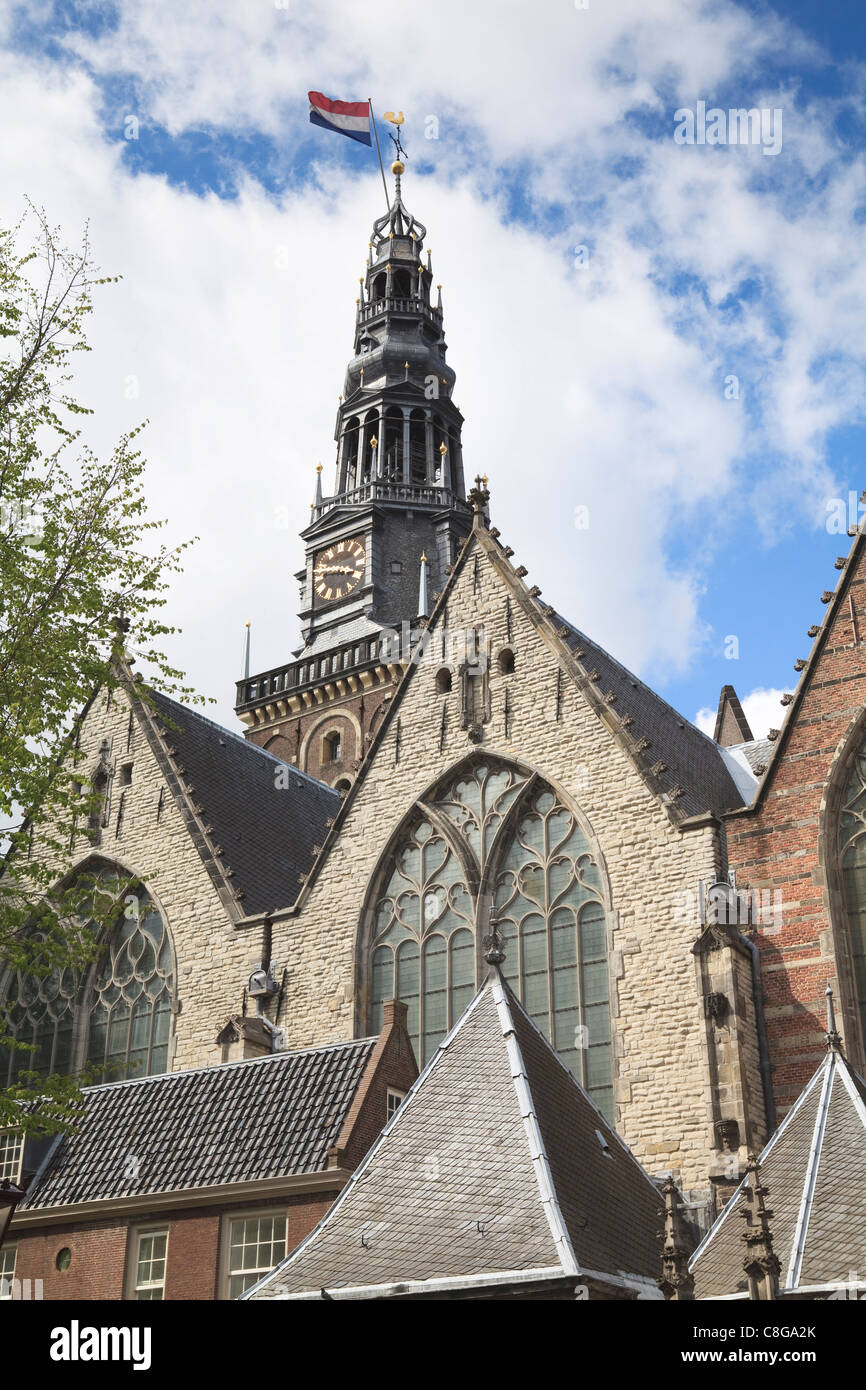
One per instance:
(240, 231)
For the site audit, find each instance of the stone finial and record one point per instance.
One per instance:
(834, 1040)
(493, 946)
(761, 1263)
(676, 1283)
(478, 498)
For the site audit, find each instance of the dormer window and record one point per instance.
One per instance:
(11, 1152)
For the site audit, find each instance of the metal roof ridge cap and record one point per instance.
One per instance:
(535, 1138)
(801, 1229)
(458, 1281)
(587, 1097)
(362, 1167)
(845, 1071)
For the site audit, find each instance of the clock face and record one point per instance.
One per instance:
(339, 569)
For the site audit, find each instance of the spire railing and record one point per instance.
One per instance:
(393, 304)
(388, 490)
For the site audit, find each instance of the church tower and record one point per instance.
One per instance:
(382, 542)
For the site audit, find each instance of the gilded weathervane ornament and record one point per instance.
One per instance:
(396, 119)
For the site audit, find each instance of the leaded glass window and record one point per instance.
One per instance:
(852, 850)
(423, 947)
(496, 825)
(116, 1014)
(548, 909)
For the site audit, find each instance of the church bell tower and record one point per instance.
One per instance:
(381, 542)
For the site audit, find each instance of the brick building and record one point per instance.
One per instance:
(447, 762)
(188, 1184)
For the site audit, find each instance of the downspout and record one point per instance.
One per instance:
(763, 1051)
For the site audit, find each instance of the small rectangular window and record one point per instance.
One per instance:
(395, 1098)
(11, 1152)
(125, 774)
(396, 567)
(255, 1244)
(8, 1255)
(151, 1251)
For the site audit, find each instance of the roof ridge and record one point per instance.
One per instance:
(224, 1066)
(810, 1177)
(362, 1167)
(771, 1143)
(611, 1128)
(532, 1127)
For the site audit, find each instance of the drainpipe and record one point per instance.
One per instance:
(763, 1051)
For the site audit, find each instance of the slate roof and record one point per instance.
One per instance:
(496, 1166)
(269, 1117)
(814, 1169)
(267, 827)
(692, 758)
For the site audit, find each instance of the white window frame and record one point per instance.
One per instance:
(7, 1280)
(393, 1094)
(253, 1213)
(13, 1171)
(137, 1233)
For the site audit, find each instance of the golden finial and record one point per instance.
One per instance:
(438, 287)
(406, 365)
(318, 468)
(443, 448)
(340, 397)
(357, 301)
(484, 479)
(373, 442)
(398, 167)
(248, 623)
(423, 558)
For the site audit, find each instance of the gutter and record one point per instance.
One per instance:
(134, 1204)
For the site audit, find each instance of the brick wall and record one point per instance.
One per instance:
(787, 846)
(99, 1250)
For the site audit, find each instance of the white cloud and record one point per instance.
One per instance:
(597, 386)
(761, 707)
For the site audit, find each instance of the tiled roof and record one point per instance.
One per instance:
(496, 1164)
(691, 757)
(814, 1170)
(265, 815)
(270, 1117)
(757, 753)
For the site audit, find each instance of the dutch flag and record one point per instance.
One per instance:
(350, 118)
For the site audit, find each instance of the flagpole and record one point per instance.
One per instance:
(379, 152)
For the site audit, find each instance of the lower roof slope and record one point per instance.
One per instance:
(496, 1167)
(814, 1169)
(266, 815)
(269, 1117)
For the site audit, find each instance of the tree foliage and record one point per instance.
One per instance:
(82, 575)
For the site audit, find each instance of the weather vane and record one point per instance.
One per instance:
(396, 118)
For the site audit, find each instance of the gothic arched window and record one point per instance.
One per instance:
(852, 856)
(115, 1014)
(497, 848)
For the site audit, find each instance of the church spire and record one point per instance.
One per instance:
(399, 387)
